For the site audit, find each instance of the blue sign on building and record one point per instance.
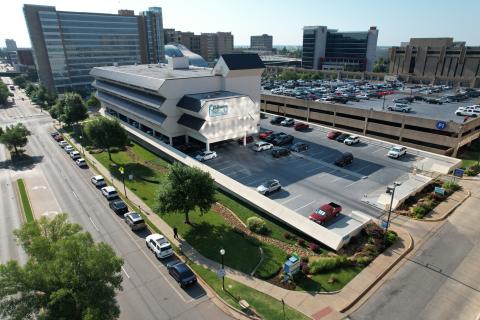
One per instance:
(441, 125)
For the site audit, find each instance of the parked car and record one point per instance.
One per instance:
(63, 143)
(277, 120)
(299, 147)
(401, 101)
(248, 140)
(352, 140)
(434, 101)
(81, 163)
(68, 149)
(269, 186)
(472, 111)
(283, 140)
(265, 134)
(419, 98)
(118, 206)
(159, 245)
(396, 152)
(53, 134)
(109, 192)
(206, 155)
(400, 107)
(274, 136)
(344, 160)
(342, 137)
(181, 273)
(75, 155)
(299, 126)
(332, 135)
(261, 146)
(58, 138)
(325, 213)
(287, 122)
(134, 220)
(278, 152)
(98, 181)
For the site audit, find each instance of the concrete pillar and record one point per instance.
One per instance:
(170, 140)
(207, 146)
(245, 139)
(187, 138)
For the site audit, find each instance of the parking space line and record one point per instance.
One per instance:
(229, 166)
(304, 206)
(293, 198)
(340, 177)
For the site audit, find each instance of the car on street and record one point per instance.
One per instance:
(352, 140)
(396, 152)
(283, 140)
(299, 126)
(261, 146)
(75, 155)
(277, 120)
(134, 220)
(53, 134)
(344, 160)
(264, 134)
(278, 152)
(332, 135)
(63, 143)
(249, 139)
(400, 107)
(109, 192)
(299, 147)
(205, 155)
(58, 138)
(81, 163)
(118, 206)
(287, 122)
(342, 137)
(98, 181)
(159, 245)
(68, 149)
(325, 213)
(269, 186)
(181, 273)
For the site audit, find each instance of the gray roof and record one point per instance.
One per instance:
(191, 122)
(243, 61)
(194, 102)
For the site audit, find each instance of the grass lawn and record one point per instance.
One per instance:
(319, 282)
(27, 209)
(267, 307)
(471, 155)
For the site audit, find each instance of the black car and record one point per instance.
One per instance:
(118, 206)
(344, 160)
(181, 273)
(433, 101)
(341, 138)
(283, 140)
(278, 152)
(277, 120)
(419, 98)
(299, 147)
(274, 136)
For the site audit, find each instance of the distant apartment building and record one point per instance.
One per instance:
(437, 60)
(261, 43)
(330, 49)
(10, 44)
(67, 45)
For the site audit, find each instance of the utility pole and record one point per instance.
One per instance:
(391, 191)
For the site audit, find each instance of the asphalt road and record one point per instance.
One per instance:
(148, 290)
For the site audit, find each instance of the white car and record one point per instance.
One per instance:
(109, 192)
(98, 181)
(63, 143)
(396, 152)
(472, 111)
(68, 149)
(269, 186)
(352, 140)
(206, 155)
(363, 96)
(261, 146)
(287, 122)
(159, 245)
(81, 163)
(75, 155)
(400, 107)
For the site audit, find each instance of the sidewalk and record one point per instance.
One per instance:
(315, 305)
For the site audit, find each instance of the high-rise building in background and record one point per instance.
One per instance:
(67, 45)
(328, 49)
(261, 43)
(10, 44)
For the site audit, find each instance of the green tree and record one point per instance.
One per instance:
(67, 275)
(30, 89)
(15, 137)
(381, 66)
(20, 81)
(106, 134)
(187, 188)
(74, 109)
(4, 93)
(93, 102)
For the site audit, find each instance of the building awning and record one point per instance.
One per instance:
(190, 103)
(243, 61)
(191, 122)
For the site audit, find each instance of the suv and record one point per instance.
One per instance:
(181, 273)
(274, 136)
(342, 137)
(396, 152)
(206, 155)
(352, 140)
(98, 181)
(109, 192)
(283, 140)
(472, 111)
(277, 120)
(278, 152)
(344, 160)
(269, 186)
(81, 163)
(118, 206)
(299, 126)
(400, 107)
(63, 143)
(159, 245)
(299, 147)
(262, 145)
(68, 148)
(134, 221)
(75, 155)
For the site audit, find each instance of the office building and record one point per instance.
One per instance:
(175, 102)
(436, 60)
(261, 43)
(10, 44)
(154, 34)
(67, 45)
(330, 49)
(22, 60)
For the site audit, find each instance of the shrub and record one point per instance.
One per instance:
(364, 260)
(328, 264)
(304, 259)
(313, 246)
(373, 230)
(391, 238)
(471, 173)
(257, 225)
(301, 242)
(287, 235)
(451, 186)
(304, 268)
(420, 211)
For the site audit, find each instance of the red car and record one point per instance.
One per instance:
(325, 213)
(332, 135)
(58, 138)
(300, 126)
(265, 134)
(249, 140)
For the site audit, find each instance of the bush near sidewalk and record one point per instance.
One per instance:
(27, 209)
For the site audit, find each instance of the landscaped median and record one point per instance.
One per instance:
(25, 201)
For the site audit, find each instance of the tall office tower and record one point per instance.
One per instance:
(154, 34)
(329, 49)
(67, 45)
(10, 44)
(261, 43)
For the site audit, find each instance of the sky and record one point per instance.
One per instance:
(397, 21)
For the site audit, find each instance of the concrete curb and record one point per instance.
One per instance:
(383, 274)
(449, 211)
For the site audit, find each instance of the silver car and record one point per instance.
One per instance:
(269, 186)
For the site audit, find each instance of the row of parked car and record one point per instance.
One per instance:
(155, 242)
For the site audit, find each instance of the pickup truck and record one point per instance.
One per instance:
(325, 212)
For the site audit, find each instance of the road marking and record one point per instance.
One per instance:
(39, 187)
(304, 206)
(94, 225)
(293, 198)
(123, 269)
(75, 195)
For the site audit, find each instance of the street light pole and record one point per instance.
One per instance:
(390, 190)
(222, 253)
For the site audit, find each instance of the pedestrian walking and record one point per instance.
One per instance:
(175, 233)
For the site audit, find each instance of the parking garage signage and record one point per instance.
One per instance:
(441, 125)
(216, 110)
